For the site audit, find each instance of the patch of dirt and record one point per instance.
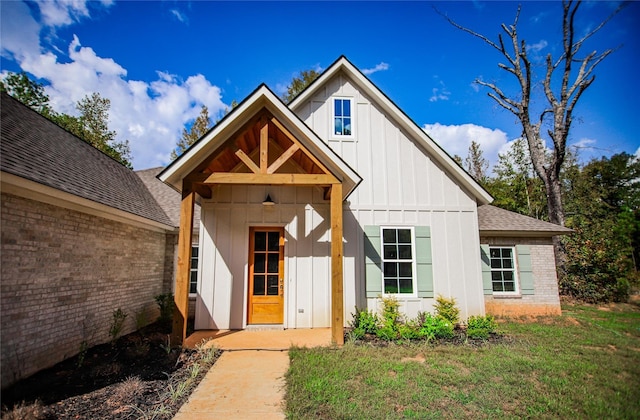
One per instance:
(130, 378)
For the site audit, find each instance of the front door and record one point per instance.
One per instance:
(266, 275)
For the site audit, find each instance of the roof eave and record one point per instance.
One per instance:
(524, 233)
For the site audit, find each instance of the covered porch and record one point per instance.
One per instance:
(261, 143)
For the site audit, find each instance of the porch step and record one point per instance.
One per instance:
(265, 327)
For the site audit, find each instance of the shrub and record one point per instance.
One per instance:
(409, 331)
(432, 327)
(166, 304)
(390, 319)
(481, 326)
(117, 323)
(364, 322)
(447, 309)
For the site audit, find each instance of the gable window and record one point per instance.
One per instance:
(342, 117)
(193, 275)
(398, 260)
(503, 270)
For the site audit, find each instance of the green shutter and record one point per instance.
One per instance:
(424, 262)
(525, 270)
(485, 256)
(372, 261)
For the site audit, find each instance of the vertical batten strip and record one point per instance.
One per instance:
(264, 146)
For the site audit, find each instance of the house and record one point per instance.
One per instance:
(312, 209)
(81, 237)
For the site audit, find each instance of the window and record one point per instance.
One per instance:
(503, 270)
(193, 276)
(398, 260)
(342, 117)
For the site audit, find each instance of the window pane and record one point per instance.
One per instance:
(495, 263)
(404, 252)
(389, 236)
(258, 263)
(347, 127)
(495, 252)
(497, 287)
(193, 282)
(496, 276)
(261, 241)
(506, 253)
(405, 269)
(274, 241)
(337, 107)
(272, 264)
(390, 286)
(507, 275)
(404, 236)
(346, 107)
(507, 263)
(405, 286)
(194, 263)
(258, 285)
(272, 285)
(390, 269)
(338, 126)
(509, 286)
(194, 252)
(390, 252)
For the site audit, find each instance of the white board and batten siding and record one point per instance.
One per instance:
(402, 186)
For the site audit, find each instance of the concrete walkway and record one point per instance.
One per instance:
(247, 381)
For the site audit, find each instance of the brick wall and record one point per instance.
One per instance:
(546, 299)
(63, 273)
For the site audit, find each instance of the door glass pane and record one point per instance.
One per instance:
(272, 263)
(274, 241)
(258, 265)
(261, 241)
(272, 285)
(258, 285)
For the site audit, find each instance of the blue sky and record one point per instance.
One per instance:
(159, 62)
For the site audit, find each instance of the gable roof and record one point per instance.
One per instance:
(261, 98)
(494, 221)
(38, 150)
(342, 64)
(167, 197)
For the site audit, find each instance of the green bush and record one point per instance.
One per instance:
(481, 326)
(409, 330)
(447, 309)
(364, 322)
(432, 327)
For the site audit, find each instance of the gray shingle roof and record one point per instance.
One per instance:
(496, 221)
(34, 148)
(167, 197)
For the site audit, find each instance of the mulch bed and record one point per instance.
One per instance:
(133, 377)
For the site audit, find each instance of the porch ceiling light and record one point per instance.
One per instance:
(268, 201)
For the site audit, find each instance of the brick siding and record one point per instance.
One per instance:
(63, 273)
(546, 299)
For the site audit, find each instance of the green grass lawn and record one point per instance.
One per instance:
(583, 364)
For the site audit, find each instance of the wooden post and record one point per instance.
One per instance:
(337, 306)
(183, 271)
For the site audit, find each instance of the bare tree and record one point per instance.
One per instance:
(561, 98)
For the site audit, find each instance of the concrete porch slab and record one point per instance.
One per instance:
(262, 339)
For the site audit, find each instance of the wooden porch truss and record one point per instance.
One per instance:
(262, 152)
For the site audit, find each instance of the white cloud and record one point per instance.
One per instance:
(150, 115)
(382, 66)
(536, 48)
(456, 139)
(179, 15)
(440, 93)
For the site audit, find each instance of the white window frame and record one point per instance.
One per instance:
(514, 268)
(414, 278)
(194, 270)
(346, 137)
